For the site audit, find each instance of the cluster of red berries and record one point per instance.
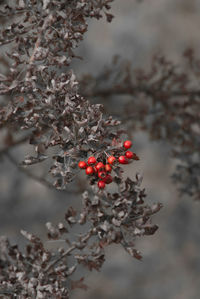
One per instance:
(102, 171)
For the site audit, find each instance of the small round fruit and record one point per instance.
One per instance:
(101, 185)
(100, 166)
(89, 170)
(123, 160)
(129, 155)
(108, 168)
(91, 160)
(127, 144)
(108, 179)
(101, 174)
(111, 160)
(82, 165)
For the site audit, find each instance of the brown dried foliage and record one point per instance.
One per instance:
(42, 106)
(165, 102)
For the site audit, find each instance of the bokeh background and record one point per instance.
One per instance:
(171, 258)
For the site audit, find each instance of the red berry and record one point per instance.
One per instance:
(123, 160)
(111, 159)
(91, 160)
(101, 185)
(108, 179)
(82, 164)
(100, 166)
(101, 174)
(108, 168)
(127, 144)
(129, 154)
(89, 170)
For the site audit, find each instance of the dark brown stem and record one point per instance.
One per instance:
(69, 250)
(131, 90)
(40, 180)
(16, 143)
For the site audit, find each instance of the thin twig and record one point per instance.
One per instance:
(40, 180)
(130, 90)
(47, 22)
(67, 252)
(16, 143)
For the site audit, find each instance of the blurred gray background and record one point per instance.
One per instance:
(171, 258)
